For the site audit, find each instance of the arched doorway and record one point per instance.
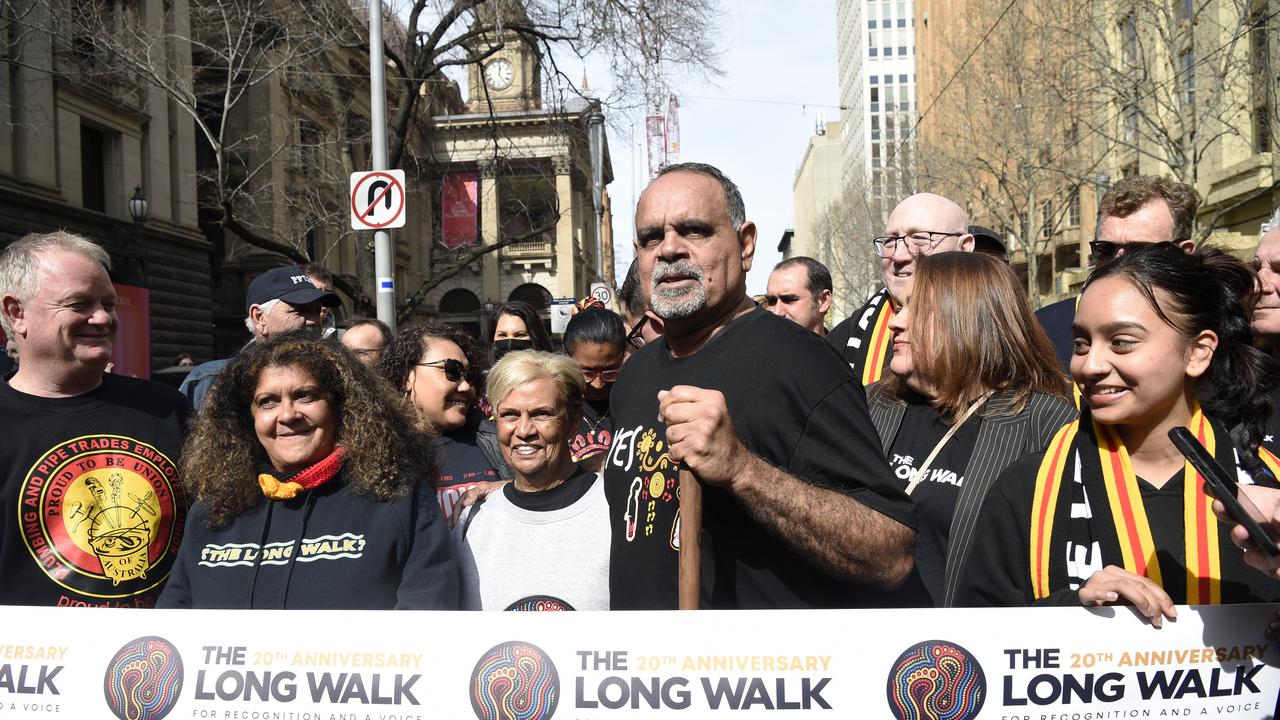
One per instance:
(534, 294)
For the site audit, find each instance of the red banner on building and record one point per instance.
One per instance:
(459, 210)
(131, 350)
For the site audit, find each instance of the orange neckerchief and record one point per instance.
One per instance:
(308, 479)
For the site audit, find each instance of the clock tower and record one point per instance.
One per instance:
(510, 79)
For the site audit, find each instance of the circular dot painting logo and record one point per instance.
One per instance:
(936, 680)
(515, 681)
(144, 679)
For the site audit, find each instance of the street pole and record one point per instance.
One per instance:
(595, 141)
(383, 259)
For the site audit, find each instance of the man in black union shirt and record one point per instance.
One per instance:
(800, 509)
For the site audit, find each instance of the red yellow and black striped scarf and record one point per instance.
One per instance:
(1120, 525)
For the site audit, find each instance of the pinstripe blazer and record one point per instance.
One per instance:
(1003, 438)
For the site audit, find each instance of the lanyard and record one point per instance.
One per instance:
(919, 476)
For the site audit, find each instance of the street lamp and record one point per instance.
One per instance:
(595, 139)
(139, 210)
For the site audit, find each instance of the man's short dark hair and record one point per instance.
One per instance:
(818, 277)
(1129, 194)
(356, 322)
(629, 294)
(732, 196)
(319, 272)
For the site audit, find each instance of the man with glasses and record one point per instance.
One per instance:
(923, 224)
(278, 300)
(799, 289)
(1139, 210)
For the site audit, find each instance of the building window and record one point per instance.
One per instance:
(902, 78)
(875, 79)
(902, 22)
(902, 50)
(871, 24)
(875, 94)
(1073, 208)
(1129, 38)
(93, 169)
(1262, 85)
(872, 52)
(1188, 67)
(1129, 169)
(875, 107)
(888, 52)
(903, 97)
(1262, 129)
(1131, 122)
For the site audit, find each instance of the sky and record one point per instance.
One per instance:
(753, 122)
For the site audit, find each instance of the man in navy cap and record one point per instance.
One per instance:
(278, 301)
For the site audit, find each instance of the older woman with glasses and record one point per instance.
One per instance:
(437, 367)
(542, 541)
(597, 342)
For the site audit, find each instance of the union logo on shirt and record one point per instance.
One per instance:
(100, 513)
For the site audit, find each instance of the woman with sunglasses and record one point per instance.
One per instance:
(437, 367)
(1111, 513)
(597, 342)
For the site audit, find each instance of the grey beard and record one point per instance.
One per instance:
(674, 304)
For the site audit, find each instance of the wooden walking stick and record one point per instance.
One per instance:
(690, 540)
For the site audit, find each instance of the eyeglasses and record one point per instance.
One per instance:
(605, 375)
(1104, 251)
(635, 338)
(917, 242)
(454, 370)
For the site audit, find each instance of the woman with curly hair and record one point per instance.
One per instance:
(438, 367)
(311, 486)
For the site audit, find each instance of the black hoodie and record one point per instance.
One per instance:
(327, 548)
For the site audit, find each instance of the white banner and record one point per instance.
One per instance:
(1037, 663)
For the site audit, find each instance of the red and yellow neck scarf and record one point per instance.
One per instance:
(878, 349)
(1126, 511)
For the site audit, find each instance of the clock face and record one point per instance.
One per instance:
(498, 74)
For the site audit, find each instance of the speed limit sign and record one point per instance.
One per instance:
(603, 293)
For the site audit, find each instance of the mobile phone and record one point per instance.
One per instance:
(1222, 485)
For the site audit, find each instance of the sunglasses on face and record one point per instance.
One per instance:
(454, 370)
(1103, 251)
(608, 376)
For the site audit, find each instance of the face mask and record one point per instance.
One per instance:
(502, 347)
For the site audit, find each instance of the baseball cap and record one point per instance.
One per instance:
(290, 284)
(988, 241)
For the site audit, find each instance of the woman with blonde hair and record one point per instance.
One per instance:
(542, 541)
(973, 387)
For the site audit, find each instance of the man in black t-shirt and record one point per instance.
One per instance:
(800, 509)
(91, 506)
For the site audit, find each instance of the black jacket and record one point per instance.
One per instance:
(325, 549)
(1003, 438)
